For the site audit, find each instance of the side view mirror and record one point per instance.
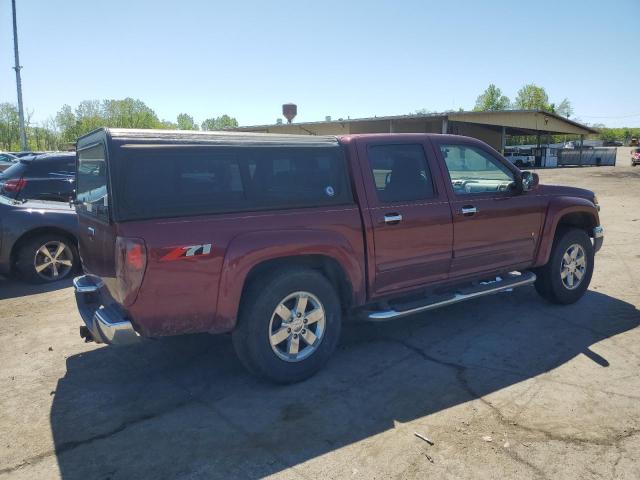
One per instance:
(529, 181)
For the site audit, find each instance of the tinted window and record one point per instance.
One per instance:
(297, 177)
(164, 183)
(400, 172)
(91, 182)
(14, 171)
(45, 168)
(474, 171)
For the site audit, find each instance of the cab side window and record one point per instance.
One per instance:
(474, 171)
(401, 173)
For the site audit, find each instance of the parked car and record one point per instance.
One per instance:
(633, 142)
(49, 176)
(38, 240)
(521, 159)
(277, 238)
(635, 157)
(612, 143)
(6, 160)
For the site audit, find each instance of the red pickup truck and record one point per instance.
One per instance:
(278, 238)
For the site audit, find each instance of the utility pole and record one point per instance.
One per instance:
(23, 132)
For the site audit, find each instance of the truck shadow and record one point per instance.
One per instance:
(12, 288)
(184, 407)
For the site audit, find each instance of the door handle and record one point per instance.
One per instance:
(468, 210)
(392, 218)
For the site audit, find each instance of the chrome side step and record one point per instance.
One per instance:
(500, 284)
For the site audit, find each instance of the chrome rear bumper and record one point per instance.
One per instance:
(105, 323)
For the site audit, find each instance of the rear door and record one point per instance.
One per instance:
(494, 226)
(96, 235)
(409, 211)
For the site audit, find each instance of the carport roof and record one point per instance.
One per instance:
(520, 122)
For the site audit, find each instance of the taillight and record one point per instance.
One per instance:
(14, 185)
(131, 262)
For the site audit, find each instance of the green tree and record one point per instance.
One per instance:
(565, 108)
(67, 123)
(491, 99)
(129, 113)
(92, 114)
(185, 122)
(219, 123)
(532, 97)
(168, 125)
(9, 127)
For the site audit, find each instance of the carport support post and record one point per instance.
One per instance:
(581, 145)
(445, 125)
(503, 139)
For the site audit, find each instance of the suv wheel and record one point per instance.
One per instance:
(46, 258)
(567, 275)
(289, 325)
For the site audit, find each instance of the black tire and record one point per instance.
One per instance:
(549, 283)
(26, 254)
(251, 338)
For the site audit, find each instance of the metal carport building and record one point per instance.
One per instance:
(490, 127)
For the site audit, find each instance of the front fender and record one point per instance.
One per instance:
(558, 208)
(249, 250)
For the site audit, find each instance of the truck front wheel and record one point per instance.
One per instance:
(288, 326)
(567, 275)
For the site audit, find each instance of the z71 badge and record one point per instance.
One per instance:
(188, 251)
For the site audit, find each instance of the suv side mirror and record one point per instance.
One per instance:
(529, 181)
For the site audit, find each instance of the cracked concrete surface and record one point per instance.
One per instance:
(507, 387)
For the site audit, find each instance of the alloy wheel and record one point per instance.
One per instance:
(297, 326)
(573, 267)
(53, 260)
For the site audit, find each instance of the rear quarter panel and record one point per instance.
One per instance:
(202, 293)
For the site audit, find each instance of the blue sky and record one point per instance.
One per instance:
(338, 58)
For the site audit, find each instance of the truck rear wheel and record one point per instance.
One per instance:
(567, 275)
(288, 326)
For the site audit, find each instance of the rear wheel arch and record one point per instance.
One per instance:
(328, 266)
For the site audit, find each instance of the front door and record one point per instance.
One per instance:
(409, 212)
(494, 226)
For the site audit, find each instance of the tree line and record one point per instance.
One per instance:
(529, 97)
(59, 132)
